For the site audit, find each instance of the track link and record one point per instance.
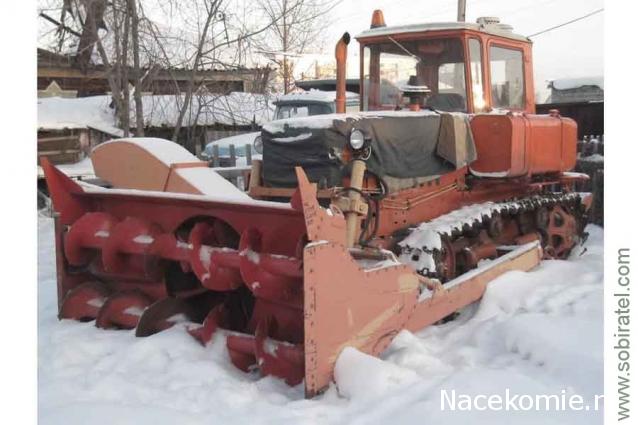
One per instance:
(456, 242)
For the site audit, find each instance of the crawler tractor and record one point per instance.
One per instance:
(355, 225)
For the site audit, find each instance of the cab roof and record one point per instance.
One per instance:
(497, 29)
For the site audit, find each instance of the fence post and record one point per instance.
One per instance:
(233, 157)
(249, 154)
(598, 189)
(215, 156)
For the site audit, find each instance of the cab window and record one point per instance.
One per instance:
(506, 75)
(435, 66)
(476, 74)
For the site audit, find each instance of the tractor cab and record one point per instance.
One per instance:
(453, 67)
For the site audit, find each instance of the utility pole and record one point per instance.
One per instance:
(460, 16)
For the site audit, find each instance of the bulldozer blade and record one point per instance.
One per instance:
(348, 306)
(345, 304)
(469, 287)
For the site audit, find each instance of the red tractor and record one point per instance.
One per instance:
(357, 225)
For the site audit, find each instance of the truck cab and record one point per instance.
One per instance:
(292, 105)
(311, 102)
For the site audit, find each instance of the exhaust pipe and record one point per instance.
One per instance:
(341, 53)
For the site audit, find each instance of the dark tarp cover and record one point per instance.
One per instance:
(404, 145)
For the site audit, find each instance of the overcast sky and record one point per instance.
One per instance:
(575, 50)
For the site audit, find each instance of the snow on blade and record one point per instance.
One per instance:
(144, 239)
(252, 256)
(134, 311)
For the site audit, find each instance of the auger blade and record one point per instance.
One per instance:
(204, 333)
(84, 302)
(164, 314)
(122, 310)
(278, 358)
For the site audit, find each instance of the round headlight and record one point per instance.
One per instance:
(357, 139)
(258, 144)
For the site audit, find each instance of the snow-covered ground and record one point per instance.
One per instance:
(532, 333)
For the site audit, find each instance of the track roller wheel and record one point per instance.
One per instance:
(446, 260)
(122, 310)
(84, 301)
(541, 217)
(495, 226)
(561, 233)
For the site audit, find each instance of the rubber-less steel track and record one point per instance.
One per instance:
(456, 242)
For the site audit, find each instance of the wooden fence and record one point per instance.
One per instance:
(60, 149)
(218, 160)
(591, 161)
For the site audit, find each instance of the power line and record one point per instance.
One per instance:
(567, 23)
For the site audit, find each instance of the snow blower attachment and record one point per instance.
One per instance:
(278, 279)
(366, 224)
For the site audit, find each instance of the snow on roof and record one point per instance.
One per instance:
(440, 26)
(327, 120)
(236, 108)
(239, 141)
(56, 113)
(575, 83)
(315, 95)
